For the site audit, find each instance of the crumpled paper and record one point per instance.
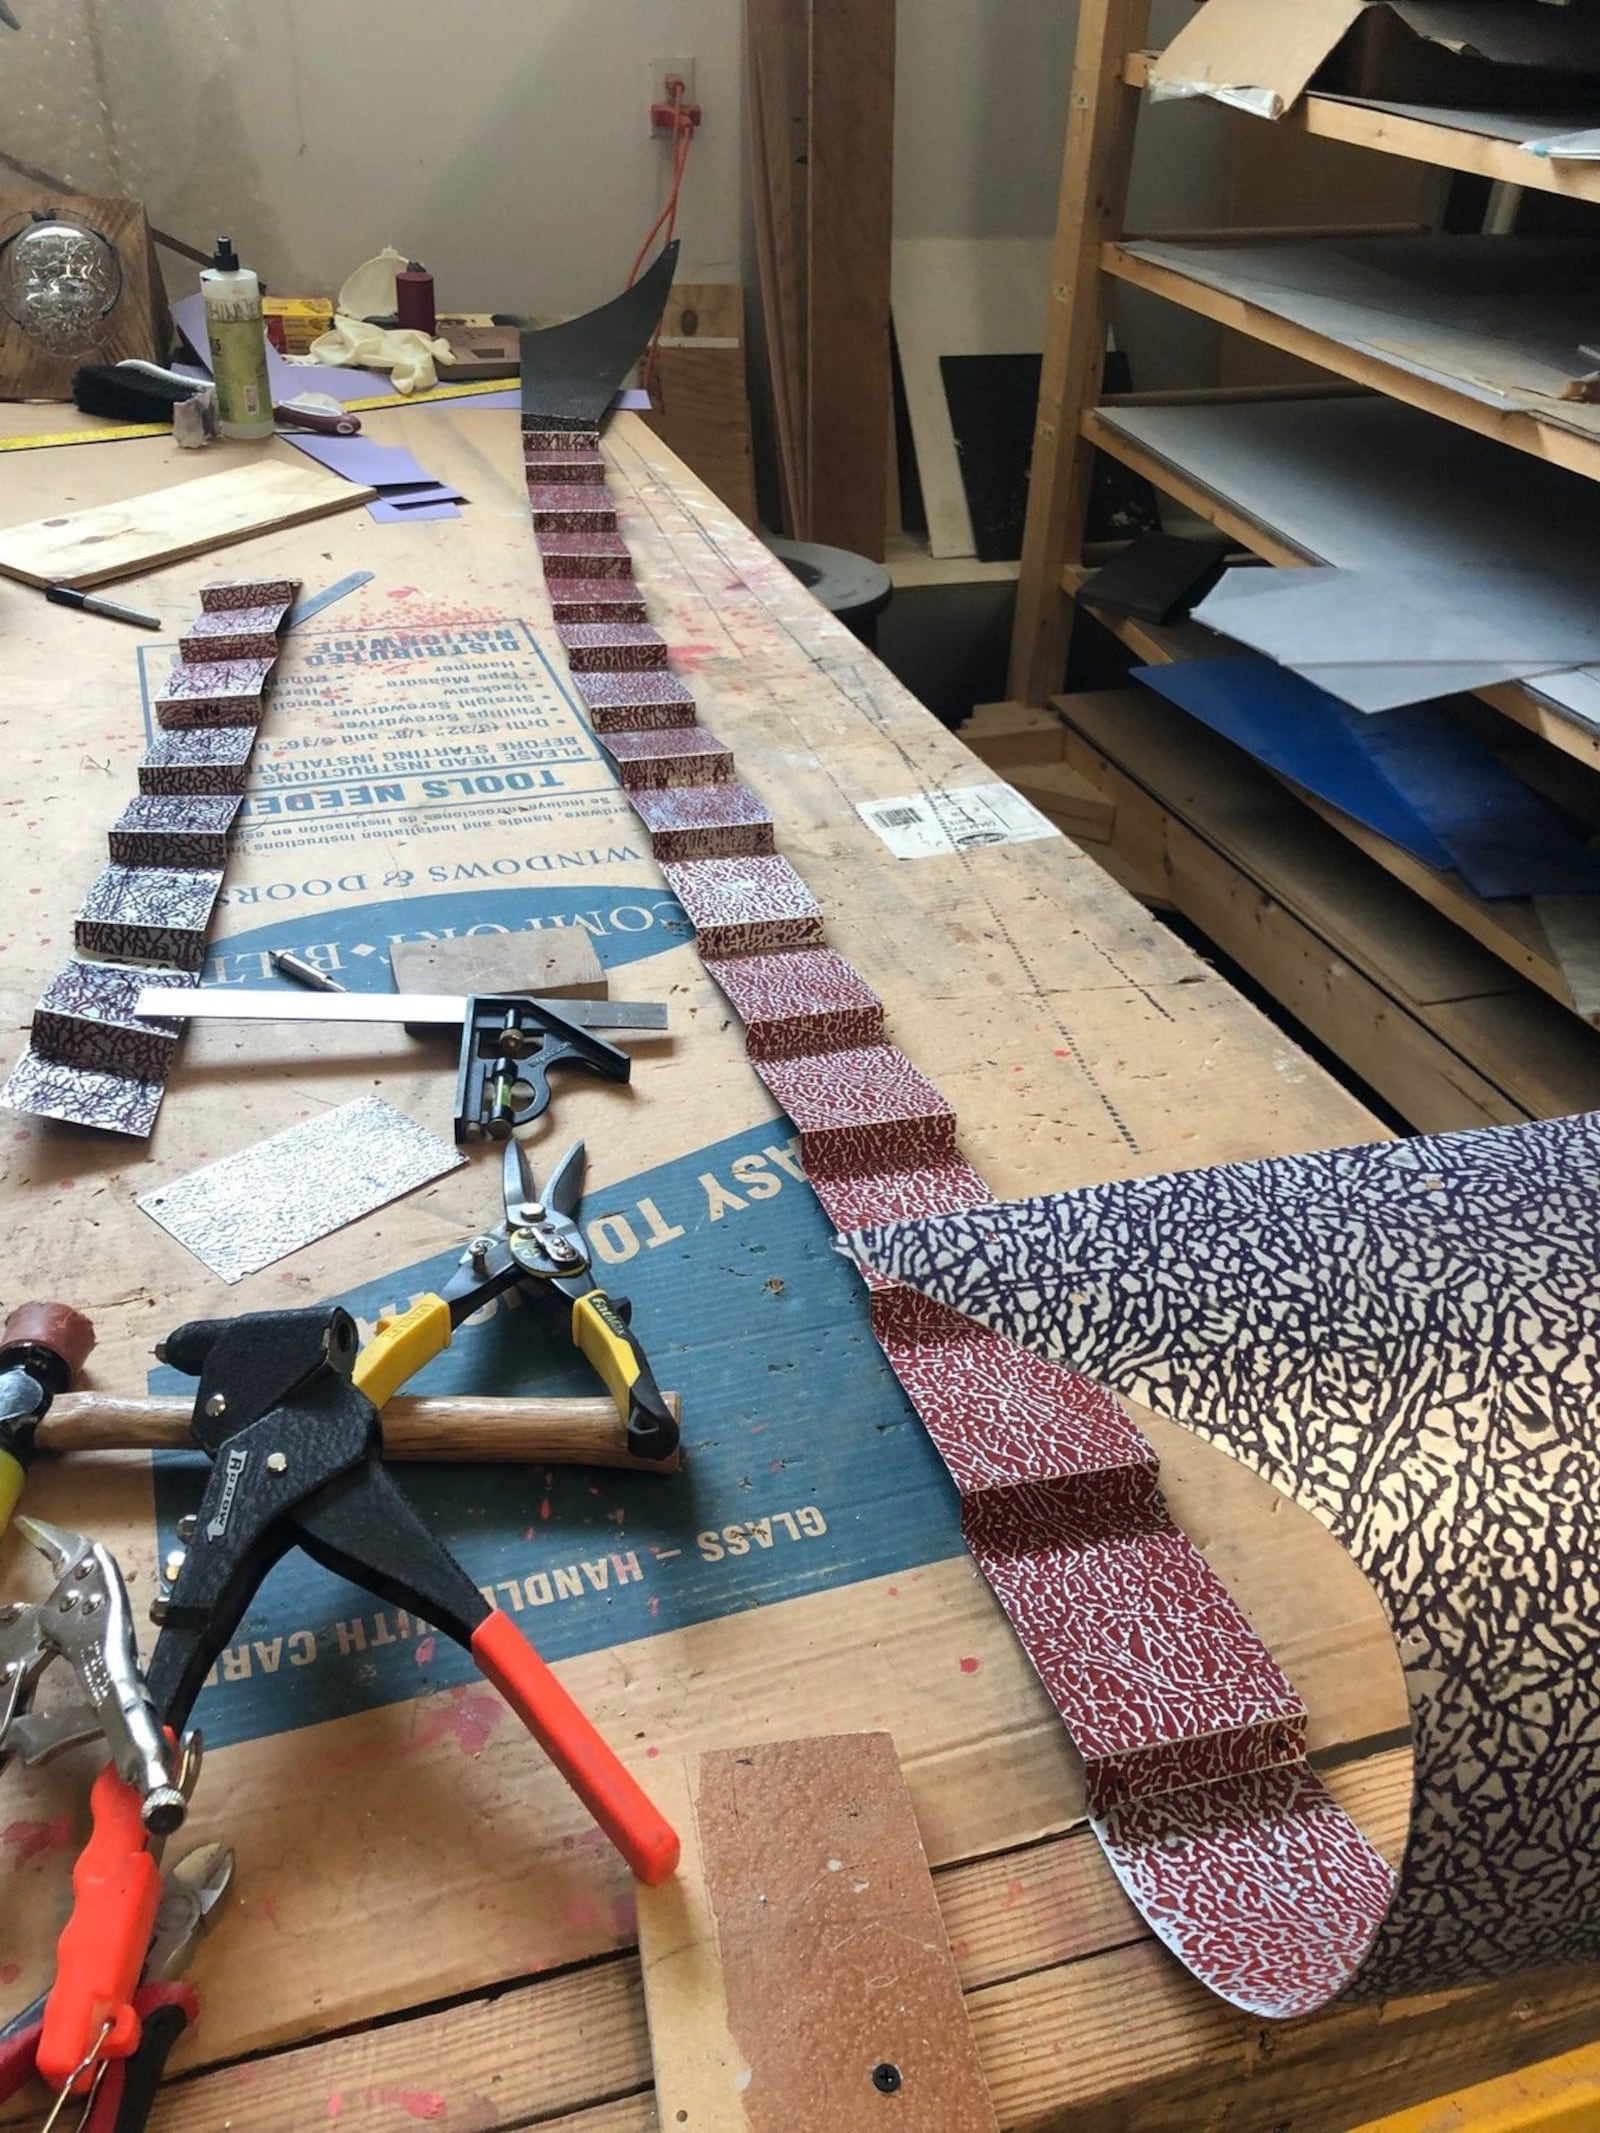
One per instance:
(407, 355)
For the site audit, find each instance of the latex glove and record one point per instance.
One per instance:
(369, 291)
(407, 355)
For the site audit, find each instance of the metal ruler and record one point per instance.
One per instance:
(445, 1010)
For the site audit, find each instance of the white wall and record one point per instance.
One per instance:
(980, 103)
(980, 119)
(503, 142)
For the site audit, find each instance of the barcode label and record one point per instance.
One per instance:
(921, 825)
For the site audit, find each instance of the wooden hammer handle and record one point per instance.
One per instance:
(455, 1431)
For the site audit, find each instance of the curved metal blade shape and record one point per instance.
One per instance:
(571, 372)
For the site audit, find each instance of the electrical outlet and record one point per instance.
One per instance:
(663, 73)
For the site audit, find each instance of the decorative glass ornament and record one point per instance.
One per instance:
(59, 282)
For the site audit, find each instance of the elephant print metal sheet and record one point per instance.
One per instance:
(1406, 1339)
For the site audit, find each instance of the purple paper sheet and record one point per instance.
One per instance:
(361, 459)
(388, 514)
(285, 378)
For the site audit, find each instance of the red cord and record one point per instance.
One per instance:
(666, 222)
(683, 135)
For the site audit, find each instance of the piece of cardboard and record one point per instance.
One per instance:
(1260, 56)
(1257, 55)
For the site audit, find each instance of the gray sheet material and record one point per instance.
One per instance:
(1369, 484)
(1572, 927)
(1519, 128)
(1513, 33)
(1501, 320)
(250, 1209)
(1379, 639)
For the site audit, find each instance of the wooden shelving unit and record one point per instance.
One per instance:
(1269, 901)
(1358, 125)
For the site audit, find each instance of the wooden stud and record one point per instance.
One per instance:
(1094, 184)
(848, 381)
(777, 43)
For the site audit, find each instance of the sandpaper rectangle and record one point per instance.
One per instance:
(796, 1970)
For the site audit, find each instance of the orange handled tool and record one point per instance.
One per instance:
(116, 1890)
(287, 1411)
(643, 1835)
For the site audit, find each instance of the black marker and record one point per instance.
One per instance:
(92, 604)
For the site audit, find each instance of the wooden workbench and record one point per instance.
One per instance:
(435, 1880)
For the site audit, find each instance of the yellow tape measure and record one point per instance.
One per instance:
(116, 432)
(113, 433)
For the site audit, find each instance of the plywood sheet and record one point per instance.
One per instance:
(959, 296)
(148, 532)
(796, 1970)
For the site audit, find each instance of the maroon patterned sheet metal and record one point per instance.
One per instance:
(90, 1060)
(1192, 1739)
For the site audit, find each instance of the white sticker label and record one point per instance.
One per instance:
(921, 824)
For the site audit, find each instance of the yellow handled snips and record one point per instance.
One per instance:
(540, 1246)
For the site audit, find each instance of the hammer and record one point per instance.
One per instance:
(43, 1346)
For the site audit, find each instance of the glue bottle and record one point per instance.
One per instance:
(238, 344)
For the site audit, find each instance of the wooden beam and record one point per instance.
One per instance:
(851, 225)
(1101, 114)
(777, 42)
